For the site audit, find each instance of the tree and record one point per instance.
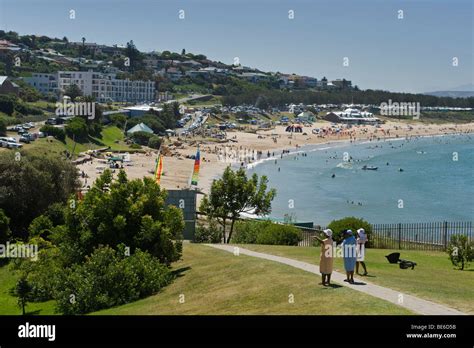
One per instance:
(234, 194)
(154, 142)
(460, 250)
(4, 227)
(349, 223)
(77, 128)
(73, 91)
(122, 211)
(30, 185)
(3, 127)
(22, 291)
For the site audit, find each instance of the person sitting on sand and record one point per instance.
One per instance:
(361, 240)
(326, 260)
(349, 255)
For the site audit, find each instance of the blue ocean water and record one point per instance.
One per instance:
(436, 184)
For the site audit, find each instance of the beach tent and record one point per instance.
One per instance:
(141, 127)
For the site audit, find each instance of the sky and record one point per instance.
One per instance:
(412, 54)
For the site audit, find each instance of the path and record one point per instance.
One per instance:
(409, 302)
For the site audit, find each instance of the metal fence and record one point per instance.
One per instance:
(411, 236)
(418, 236)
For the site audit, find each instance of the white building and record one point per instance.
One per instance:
(104, 87)
(44, 83)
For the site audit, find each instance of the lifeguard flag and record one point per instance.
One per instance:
(197, 163)
(158, 169)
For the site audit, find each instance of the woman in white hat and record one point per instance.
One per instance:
(326, 259)
(361, 240)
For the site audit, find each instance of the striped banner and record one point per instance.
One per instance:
(159, 169)
(197, 163)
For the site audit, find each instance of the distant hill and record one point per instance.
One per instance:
(464, 91)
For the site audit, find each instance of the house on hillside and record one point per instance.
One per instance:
(8, 87)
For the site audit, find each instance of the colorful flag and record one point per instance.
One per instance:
(197, 163)
(158, 169)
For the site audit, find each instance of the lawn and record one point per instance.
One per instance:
(215, 282)
(110, 136)
(8, 303)
(434, 278)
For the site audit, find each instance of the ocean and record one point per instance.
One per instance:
(424, 179)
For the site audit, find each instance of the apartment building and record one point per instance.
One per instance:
(104, 87)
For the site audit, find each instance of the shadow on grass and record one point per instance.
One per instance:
(179, 272)
(37, 312)
(333, 286)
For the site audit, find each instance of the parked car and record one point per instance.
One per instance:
(51, 121)
(25, 139)
(13, 145)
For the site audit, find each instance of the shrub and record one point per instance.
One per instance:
(141, 138)
(208, 234)
(58, 133)
(135, 146)
(40, 226)
(246, 231)
(109, 278)
(460, 250)
(77, 128)
(349, 223)
(154, 142)
(276, 234)
(3, 128)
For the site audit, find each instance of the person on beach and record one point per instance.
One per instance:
(326, 258)
(349, 255)
(361, 240)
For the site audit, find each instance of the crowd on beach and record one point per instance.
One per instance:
(353, 253)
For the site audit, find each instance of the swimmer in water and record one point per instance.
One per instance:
(333, 176)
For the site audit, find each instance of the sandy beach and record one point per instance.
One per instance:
(177, 168)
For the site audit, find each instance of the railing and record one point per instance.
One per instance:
(412, 236)
(418, 236)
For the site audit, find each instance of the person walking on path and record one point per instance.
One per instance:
(326, 258)
(361, 240)
(349, 255)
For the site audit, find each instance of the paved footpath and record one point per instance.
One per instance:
(415, 304)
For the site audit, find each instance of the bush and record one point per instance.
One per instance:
(276, 234)
(40, 226)
(58, 133)
(460, 250)
(154, 142)
(77, 128)
(208, 234)
(141, 138)
(4, 227)
(349, 223)
(3, 128)
(109, 278)
(246, 231)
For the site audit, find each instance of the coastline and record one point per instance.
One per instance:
(178, 167)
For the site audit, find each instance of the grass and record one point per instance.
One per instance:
(8, 303)
(434, 278)
(216, 282)
(110, 137)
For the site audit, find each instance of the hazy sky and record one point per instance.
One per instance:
(412, 54)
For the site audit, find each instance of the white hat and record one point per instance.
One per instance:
(349, 231)
(360, 230)
(328, 232)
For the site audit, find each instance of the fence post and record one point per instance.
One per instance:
(399, 236)
(445, 235)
